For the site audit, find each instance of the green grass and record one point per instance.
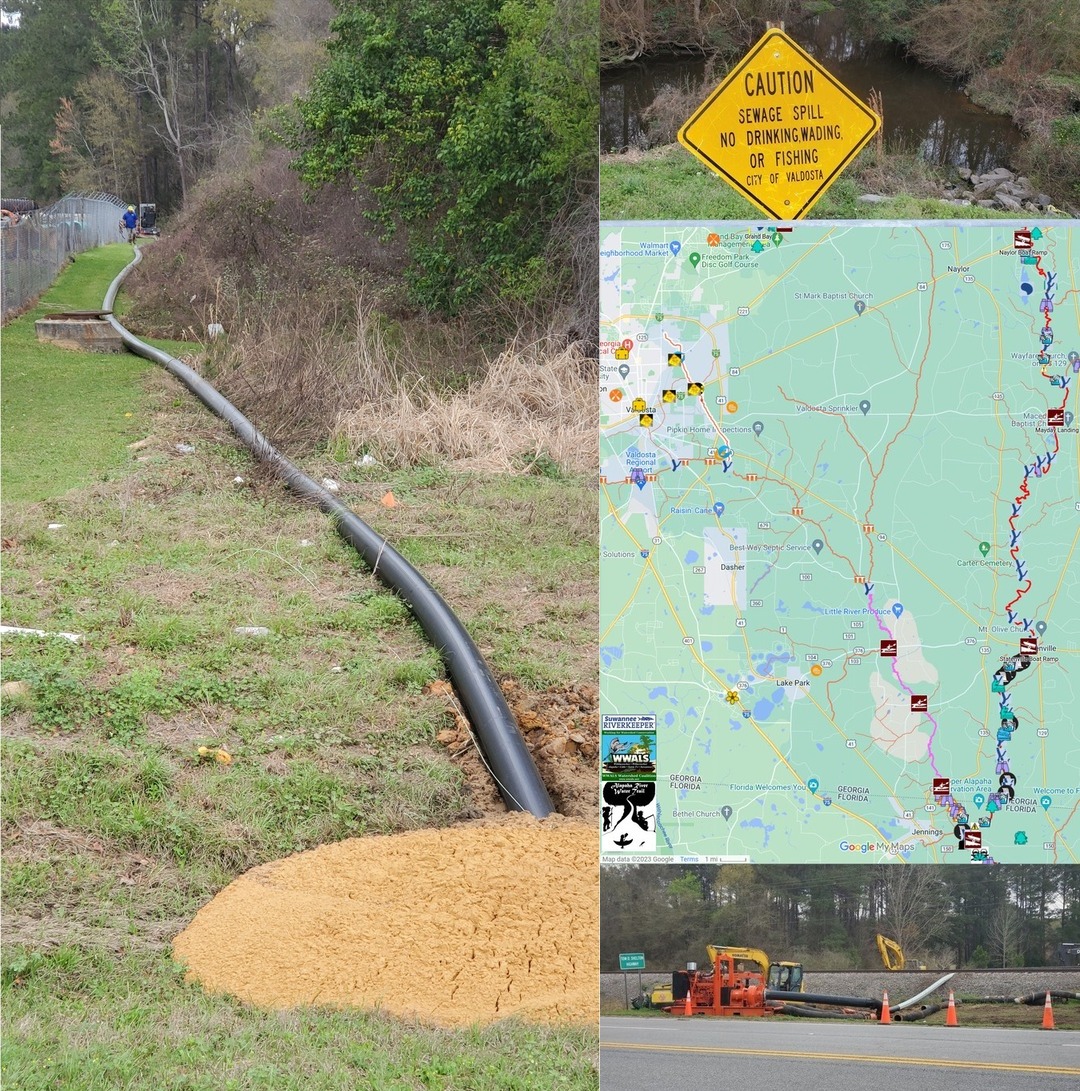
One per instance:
(66, 416)
(116, 831)
(670, 184)
(93, 1021)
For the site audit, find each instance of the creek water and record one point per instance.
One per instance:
(925, 110)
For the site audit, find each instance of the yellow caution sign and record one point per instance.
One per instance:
(779, 128)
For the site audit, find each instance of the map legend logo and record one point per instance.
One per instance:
(888, 649)
(919, 702)
(1055, 418)
(941, 786)
(1029, 645)
(1021, 240)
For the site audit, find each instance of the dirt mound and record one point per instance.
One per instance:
(462, 925)
(560, 727)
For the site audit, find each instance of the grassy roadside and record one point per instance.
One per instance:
(115, 830)
(668, 183)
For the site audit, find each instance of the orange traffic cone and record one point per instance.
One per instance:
(689, 1007)
(885, 1017)
(950, 1015)
(1048, 1013)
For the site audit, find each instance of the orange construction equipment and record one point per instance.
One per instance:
(885, 1017)
(1048, 1013)
(950, 1015)
(688, 1009)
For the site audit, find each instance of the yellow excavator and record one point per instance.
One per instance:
(892, 956)
(779, 976)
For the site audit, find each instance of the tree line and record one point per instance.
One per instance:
(138, 97)
(470, 128)
(827, 916)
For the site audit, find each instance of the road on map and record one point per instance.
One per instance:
(646, 1054)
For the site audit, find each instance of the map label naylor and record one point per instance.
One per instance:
(779, 128)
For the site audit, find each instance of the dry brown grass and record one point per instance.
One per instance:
(534, 403)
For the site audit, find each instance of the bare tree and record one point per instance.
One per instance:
(150, 54)
(1005, 933)
(912, 907)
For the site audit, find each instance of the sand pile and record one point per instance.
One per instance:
(468, 924)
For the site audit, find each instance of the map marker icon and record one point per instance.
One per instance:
(758, 427)
(624, 370)
(864, 405)
(726, 812)
(860, 306)
(817, 545)
(1040, 627)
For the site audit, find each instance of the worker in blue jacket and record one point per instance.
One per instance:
(128, 223)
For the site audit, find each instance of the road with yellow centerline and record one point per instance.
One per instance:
(647, 1054)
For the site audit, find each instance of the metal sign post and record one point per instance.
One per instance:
(633, 961)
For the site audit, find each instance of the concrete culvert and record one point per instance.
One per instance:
(468, 924)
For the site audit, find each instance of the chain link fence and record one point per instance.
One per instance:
(35, 245)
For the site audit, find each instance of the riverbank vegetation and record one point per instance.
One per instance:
(1020, 58)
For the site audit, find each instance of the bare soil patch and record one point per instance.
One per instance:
(456, 926)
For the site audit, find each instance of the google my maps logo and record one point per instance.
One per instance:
(870, 846)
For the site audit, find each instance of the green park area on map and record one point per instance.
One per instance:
(840, 503)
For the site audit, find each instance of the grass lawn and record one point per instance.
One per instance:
(66, 416)
(668, 183)
(115, 831)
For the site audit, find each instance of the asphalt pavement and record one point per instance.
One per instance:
(644, 1054)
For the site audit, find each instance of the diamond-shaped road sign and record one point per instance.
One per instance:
(779, 128)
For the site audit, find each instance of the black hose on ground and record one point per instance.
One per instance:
(504, 749)
(915, 1014)
(1040, 998)
(817, 1013)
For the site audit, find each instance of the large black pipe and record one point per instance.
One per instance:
(815, 1013)
(821, 998)
(504, 749)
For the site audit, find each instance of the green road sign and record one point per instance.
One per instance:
(632, 962)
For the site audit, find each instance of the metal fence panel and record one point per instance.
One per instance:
(35, 249)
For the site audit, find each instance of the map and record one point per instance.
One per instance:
(840, 505)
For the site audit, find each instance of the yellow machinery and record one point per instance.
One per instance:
(778, 976)
(891, 955)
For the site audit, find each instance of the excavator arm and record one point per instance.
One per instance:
(891, 955)
(749, 954)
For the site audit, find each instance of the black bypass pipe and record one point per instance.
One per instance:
(504, 749)
(821, 998)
